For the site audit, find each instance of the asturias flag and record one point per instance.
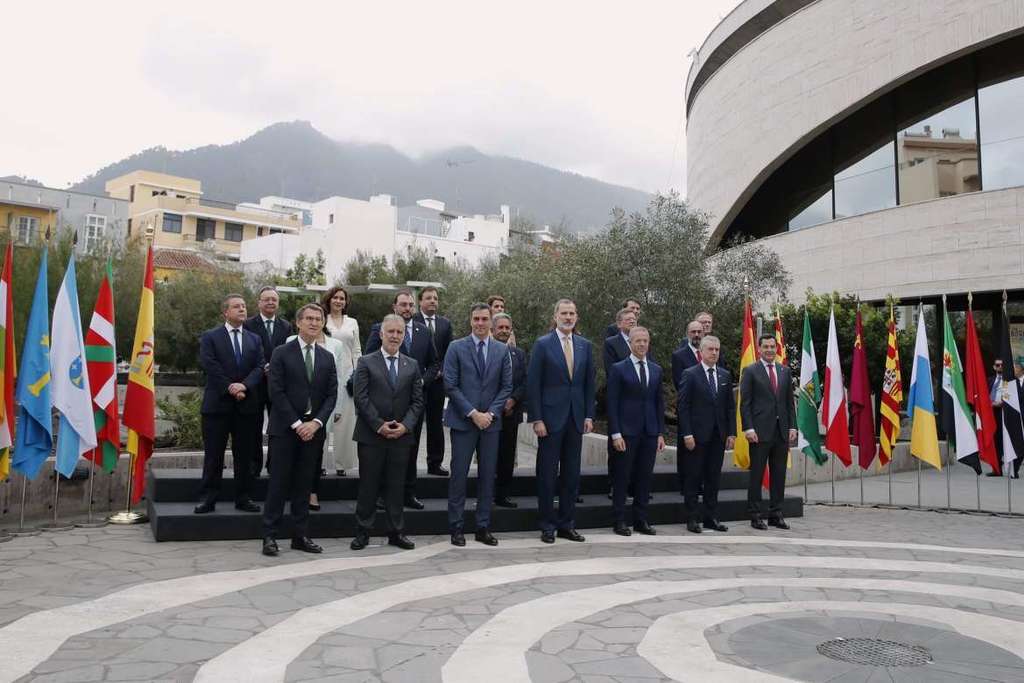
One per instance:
(892, 397)
(861, 410)
(7, 364)
(809, 399)
(101, 359)
(978, 397)
(35, 430)
(71, 395)
(140, 404)
(741, 449)
(833, 411)
(924, 438)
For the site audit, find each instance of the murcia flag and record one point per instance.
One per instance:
(7, 364)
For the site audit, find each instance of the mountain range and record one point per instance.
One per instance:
(296, 160)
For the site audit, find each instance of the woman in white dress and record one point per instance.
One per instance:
(336, 349)
(345, 329)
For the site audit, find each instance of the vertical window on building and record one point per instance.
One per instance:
(233, 232)
(95, 229)
(28, 228)
(131, 193)
(206, 229)
(868, 184)
(938, 154)
(1001, 112)
(129, 227)
(171, 223)
(818, 211)
(330, 219)
(809, 185)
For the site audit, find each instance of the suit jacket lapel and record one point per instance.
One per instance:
(226, 337)
(577, 354)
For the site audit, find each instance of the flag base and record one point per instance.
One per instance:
(5, 537)
(91, 525)
(15, 533)
(56, 526)
(128, 517)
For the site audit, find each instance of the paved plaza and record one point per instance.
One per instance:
(888, 595)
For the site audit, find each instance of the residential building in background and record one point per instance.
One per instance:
(27, 211)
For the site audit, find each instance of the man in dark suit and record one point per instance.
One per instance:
(630, 304)
(707, 427)
(232, 358)
(478, 378)
(303, 390)
(616, 349)
(636, 420)
(272, 331)
(560, 395)
(441, 333)
(766, 411)
(511, 414)
(418, 345)
(387, 388)
(688, 353)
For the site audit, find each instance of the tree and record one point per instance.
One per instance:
(307, 270)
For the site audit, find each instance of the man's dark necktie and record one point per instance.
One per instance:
(643, 374)
(407, 342)
(711, 382)
(773, 378)
(392, 372)
(480, 360)
(270, 329)
(309, 375)
(237, 346)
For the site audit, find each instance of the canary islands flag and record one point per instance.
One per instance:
(924, 439)
(35, 431)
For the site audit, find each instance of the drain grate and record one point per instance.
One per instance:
(874, 652)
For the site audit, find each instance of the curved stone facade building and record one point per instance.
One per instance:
(876, 145)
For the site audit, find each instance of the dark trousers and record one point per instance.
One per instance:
(261, 413)
(381, 471)
(612, 454)
(464, 444)
(290, 480)
(773, 454)
(634, 466)
(703, 466)
(433, 412)
(507, 444)
(318, 468)
(216, 430)
(558, 465)
(410, 465)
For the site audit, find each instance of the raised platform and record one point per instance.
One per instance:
(171, 495)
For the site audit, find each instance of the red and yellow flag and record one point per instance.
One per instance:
(8, 364)
(140, 399)
(780, 341)
(101, 360)
(892, 397)
(741, 450)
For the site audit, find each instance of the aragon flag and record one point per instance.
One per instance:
(140, 403)
(101, 359)
(861, 409)
(1013, 429)
(7, 364)
(892, 396)
(978, 397)
(741, 449)
(809, 399)
(957, 417)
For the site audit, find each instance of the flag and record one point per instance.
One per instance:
(978, 398)
(809, 399)
(35, 430)
(833, 401)
(1013, 430)
(741, 449)
(780, 356)
(101, 359)
(71, 395)
(924, 440)
(7, 364)
(957, 416)
(139, 404)
(892, 396)
(861, 408)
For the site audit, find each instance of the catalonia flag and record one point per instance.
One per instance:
(35, 429)
(741, 450)
(924, 439)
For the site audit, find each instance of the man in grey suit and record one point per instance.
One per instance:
(387, 389)
(478, 379)
(766, 412)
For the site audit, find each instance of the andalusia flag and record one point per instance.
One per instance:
(7, 364)
(809, 399)
(958, 418)
(892, 397)
(139, 403)
(741, 450)
(101, 359)
(924, 439)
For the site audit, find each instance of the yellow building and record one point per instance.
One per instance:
(26, 222)
(182, 218)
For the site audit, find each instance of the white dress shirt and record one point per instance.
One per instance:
(241, 336)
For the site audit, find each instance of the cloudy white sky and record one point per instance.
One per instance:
(595, 88)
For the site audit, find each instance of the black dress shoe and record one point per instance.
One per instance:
(340, 472)
(547, 536)
(778, 522)
(758, 524)
(270, 547)
(485, 536)
(579, 499)
(204, 507)
(247, 506)
(621, 529)
(306, 545)
(401, 541)
(693, 527)
(380, 504)
(571, 535)
(360, 541)
(315, 507)
(716, 525)
(645, 528)
(438, 471)
(505, 502)
(414, 503)
(458, 539)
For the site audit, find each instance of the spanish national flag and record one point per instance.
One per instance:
(741, 450)
(140, 402)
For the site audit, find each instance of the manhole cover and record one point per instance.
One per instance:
(874, 652)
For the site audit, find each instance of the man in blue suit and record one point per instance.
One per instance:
(440, 329)
(233, 360)
(616, 349)
(478, 378)
(707, 427)
(560, 396)
(419, 346)
(636, 420)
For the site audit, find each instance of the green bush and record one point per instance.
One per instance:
(183, 412)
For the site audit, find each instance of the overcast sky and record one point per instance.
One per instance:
(595, 88)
